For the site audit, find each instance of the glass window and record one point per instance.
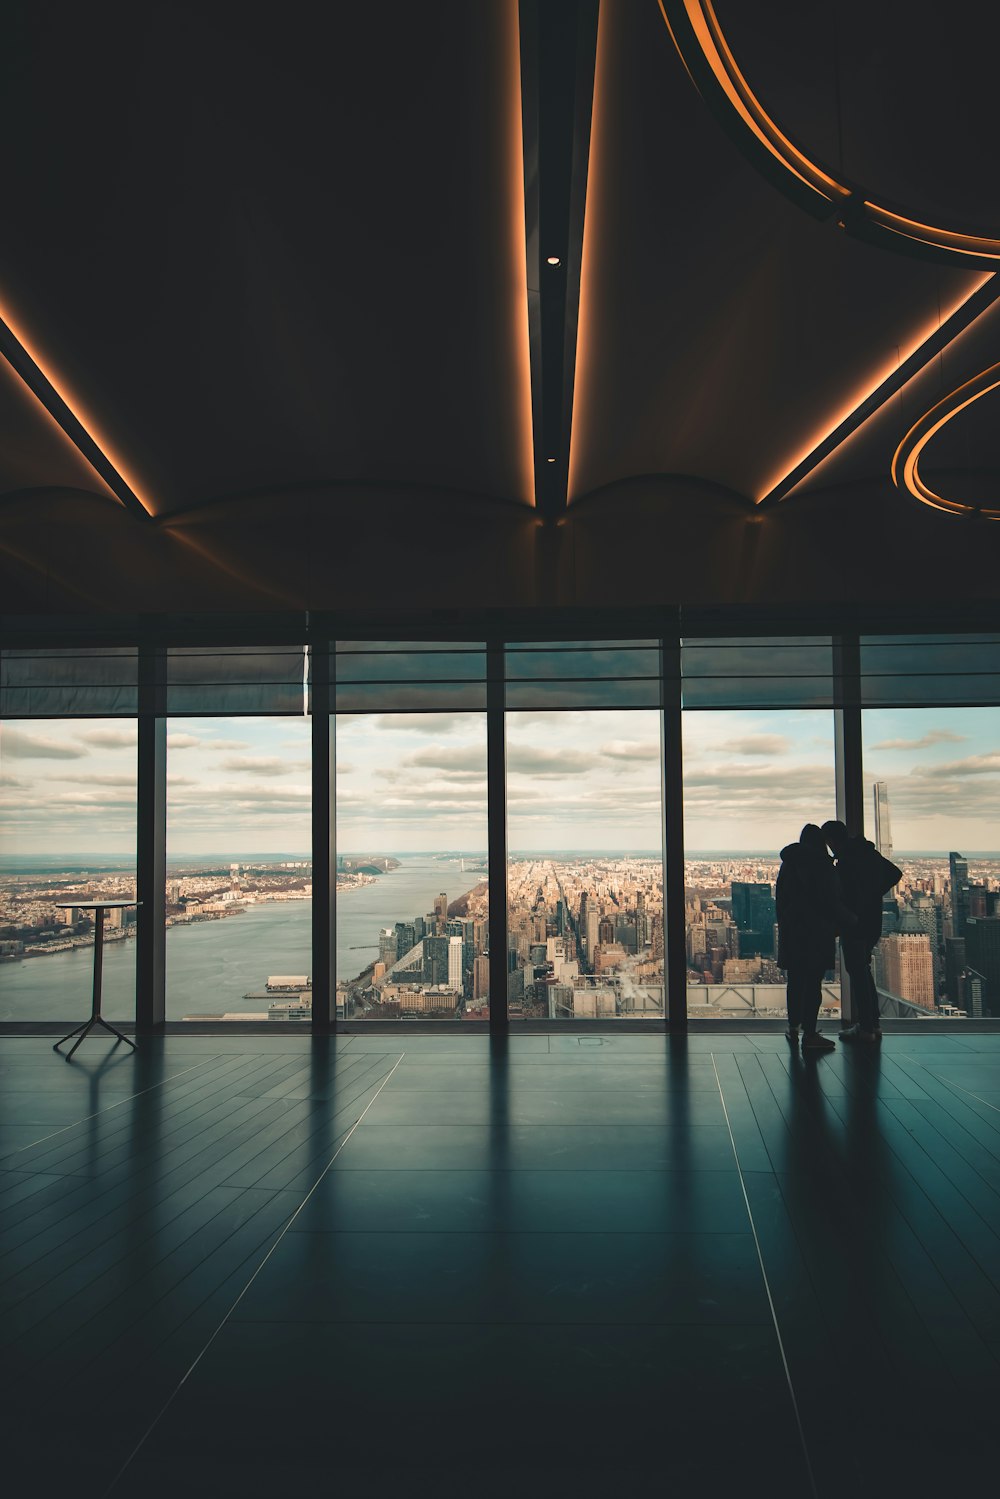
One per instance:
(585, 864)
(412, 873)
(239, 869)
(751, 781)
(67, 832)
(932, 804)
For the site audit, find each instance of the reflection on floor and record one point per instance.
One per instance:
(573, 1266)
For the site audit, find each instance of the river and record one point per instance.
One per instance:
(212, 964)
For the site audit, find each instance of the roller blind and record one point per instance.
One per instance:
(410, 676)
(583, 674)
(757, 672)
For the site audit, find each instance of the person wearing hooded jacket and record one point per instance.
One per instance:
(865, 877)
(810, 912)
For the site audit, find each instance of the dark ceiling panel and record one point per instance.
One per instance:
(275, 245)
(34, 452)
(900, 97)
(722, 330)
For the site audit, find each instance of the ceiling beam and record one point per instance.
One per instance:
(558, 51)
(962, 318)
(17, 356)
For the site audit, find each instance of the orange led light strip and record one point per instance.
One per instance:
(696, 33)
(66, 413)
(906, 459)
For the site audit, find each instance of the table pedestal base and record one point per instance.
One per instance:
(85, 1029)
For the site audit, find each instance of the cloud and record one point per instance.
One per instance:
(123, 738)
(424, 723)
(532, 760)
(225, 744)
(974, 765)
(20, 746)
(9, 780)
(264, 765)
(100, 780)
(182, 741)
(631, 749)
(457, 758)
(757, 744)
(933, 736)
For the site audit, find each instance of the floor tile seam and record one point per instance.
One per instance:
(65, 1245)
(974, 1146)
(160, 1149)
(173, 1289)
(181, 1119)
(305, 1168)
(951, 1097)
(969, 1092)
(85, 1119)
(890, 1259)
(508, 1322)
(820, 1293)
(520, 1233)
(152, 1270)
(133, 1245)
(955, 1151)
(951, 1104)
(553, 1170)
(312, 1114)
(125, 1174)
(944, 1224)
(229, 1313)
(114, 1351)
(807, 1459)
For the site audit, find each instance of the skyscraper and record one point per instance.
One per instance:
(754, 916)
(883, 830)
(908, 967)
(959, 893)
(982, 951)
(455, 955)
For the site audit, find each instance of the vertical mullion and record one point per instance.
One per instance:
(324, 832)
(496, 778)
(672, 814)
(848, 760)
(151, 841)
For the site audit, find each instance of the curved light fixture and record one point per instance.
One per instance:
(713, 70)
(906, 459)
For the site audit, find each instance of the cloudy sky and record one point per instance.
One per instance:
(587, 779)
(575, 780)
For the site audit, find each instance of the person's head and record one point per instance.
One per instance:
(812, 838)
(836, 836)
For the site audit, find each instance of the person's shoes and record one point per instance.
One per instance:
(855, 1033)
(816, 1041)
(792, 1035)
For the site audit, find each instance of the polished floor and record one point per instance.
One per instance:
(576, 1265)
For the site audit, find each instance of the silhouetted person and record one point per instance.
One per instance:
(865, 876)
(810, 913)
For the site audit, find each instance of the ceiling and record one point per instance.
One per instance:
(266, 268)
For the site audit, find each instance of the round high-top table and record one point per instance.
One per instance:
(98, 907)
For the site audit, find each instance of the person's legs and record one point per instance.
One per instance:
(857, 960)
(812, 994)
(793, 997)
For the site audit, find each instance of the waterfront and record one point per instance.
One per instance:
(212, 964)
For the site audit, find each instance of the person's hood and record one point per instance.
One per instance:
(797, 853)
(857, 844)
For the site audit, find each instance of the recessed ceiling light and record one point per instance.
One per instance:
(550, 460)
(553, 260)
